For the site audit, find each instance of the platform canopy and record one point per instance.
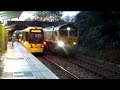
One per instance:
(10, 14)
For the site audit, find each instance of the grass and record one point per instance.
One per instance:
(112, 56)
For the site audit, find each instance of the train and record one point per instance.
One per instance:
(32, 38)
(61, 39)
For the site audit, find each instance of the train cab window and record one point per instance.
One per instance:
(63, 33)
(73, 33)
(36, 37)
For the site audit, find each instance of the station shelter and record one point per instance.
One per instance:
(4, 29)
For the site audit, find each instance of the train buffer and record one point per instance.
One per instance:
(18, 63)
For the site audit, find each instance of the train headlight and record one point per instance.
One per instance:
(60, 43)
(44, 43)
(74, 43)
(68, 28)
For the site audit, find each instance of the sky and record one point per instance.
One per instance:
(70, 13)
(29, 14)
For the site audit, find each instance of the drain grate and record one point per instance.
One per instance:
(16, 58)
(7, 74)
(17, 74)
(28, 74)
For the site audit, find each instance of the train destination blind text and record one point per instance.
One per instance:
(35, 30)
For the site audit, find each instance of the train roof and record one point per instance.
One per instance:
(56, 28)
(48, 28)
(28, 28)
(65, 25)
(34, 28)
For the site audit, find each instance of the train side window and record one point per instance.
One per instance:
(26, 36)
(55, 33)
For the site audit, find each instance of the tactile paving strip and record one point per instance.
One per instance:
(28, 74)
(17, 74)
(7, 74)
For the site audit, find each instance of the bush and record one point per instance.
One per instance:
(112, 55)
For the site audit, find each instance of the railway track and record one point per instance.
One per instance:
(73, 71)
(98, 70)
(94, 68)
(66, 72)
(117, 73)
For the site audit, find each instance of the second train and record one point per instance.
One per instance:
(61, 39)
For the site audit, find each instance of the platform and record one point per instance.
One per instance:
(18, 63)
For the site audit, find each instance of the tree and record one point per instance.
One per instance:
(56, 15)
(67, 18)
(28, 19)
(52, 16)
(99, 29)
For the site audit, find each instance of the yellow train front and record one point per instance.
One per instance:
(32, 38)
(61, 38)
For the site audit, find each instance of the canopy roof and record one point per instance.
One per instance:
(10, 14)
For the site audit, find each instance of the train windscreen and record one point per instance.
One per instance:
(73, 33)
(36, 37)
(63, 33)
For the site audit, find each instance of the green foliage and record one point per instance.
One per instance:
(105, 55)
(99, 33)
(100, 30)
